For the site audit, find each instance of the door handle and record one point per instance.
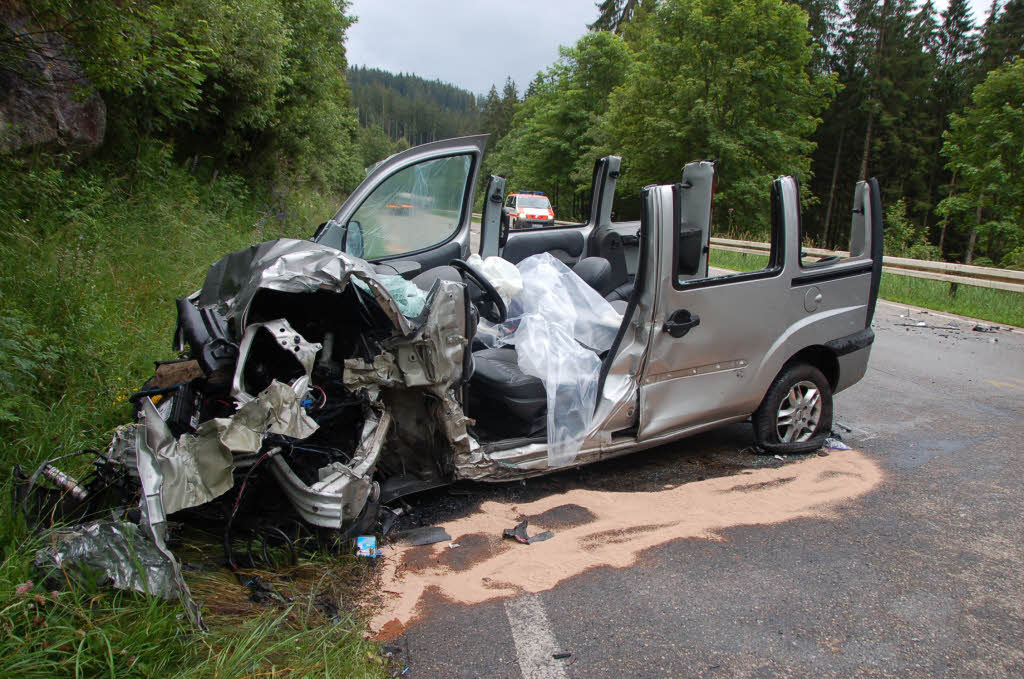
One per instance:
(681, 322)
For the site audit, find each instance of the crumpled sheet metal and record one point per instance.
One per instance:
(382, 372)
(190, 473)
(289, 341)
(120, 550)
(276, 410)
(195, 469)
(342, 490)
(433, 357)
(288, 265)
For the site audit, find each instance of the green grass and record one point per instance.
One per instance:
(737, 261)
(91, 261)
(84, 631)
(996, 306)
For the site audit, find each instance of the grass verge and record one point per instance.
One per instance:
(91, 260)
(83, 631)
(997, 306)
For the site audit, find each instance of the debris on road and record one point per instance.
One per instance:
(985, 328)
(519, 534)
(561, 655)
(366, 546)
(428, 535)
(835, 444)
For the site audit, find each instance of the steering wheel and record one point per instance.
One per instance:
(494, 310)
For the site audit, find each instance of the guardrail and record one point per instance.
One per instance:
(948, 272)
(960, 274)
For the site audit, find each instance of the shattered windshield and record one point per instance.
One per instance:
(415, 208)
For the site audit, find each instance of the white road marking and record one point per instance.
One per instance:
(533, 638)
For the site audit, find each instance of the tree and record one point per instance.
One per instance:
(884, 122)
(1002, 38)
(983, 146)
(613, 15)
(551, 144)
(496, 113)
(257, 85)
(823, 21)
(725, 79)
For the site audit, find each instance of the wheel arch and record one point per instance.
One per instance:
(821, 357)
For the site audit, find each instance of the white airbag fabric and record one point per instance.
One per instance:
(559, 324)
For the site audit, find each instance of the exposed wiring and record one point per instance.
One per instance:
(234, 509)
(323, 396)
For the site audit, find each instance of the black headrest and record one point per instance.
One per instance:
(596, 271)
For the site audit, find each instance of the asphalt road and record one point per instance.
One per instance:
(921, 577)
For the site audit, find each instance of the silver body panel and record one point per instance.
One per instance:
(659, 388)
(656, 384)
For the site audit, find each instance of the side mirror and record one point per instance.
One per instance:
(352, 243)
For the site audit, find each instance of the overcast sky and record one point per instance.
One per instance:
(470, 43)
(477, 43)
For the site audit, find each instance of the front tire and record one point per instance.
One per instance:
(796, 413)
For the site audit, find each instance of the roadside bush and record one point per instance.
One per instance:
(903, 238)
(92, 260)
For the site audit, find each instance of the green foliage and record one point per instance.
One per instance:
(410, 107)
(496, 112)
(93, 260)
(983, 146)
(613, 15)
(902, 237)
(27, 363)
(149, 54)
(315, 132)
(92, 263)
(85, 631)
(1001, 39)
(256, 85)
(551, 145)
(998, 306)
(724, 79)
(374, 145)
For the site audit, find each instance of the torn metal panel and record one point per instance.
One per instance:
(151, 501)
(185, 474)
(382, 372)
(119, 550)
(288, 265)
(276, 410)
(342, 490)
(435, 354)
(453, 422)
(281, 352)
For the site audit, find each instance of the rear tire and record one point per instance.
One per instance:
(796, 413)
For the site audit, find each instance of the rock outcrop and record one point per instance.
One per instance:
(45, 98)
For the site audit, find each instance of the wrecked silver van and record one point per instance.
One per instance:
(379, 359)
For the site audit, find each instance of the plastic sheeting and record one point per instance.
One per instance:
(119, 552)
(559, 325)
